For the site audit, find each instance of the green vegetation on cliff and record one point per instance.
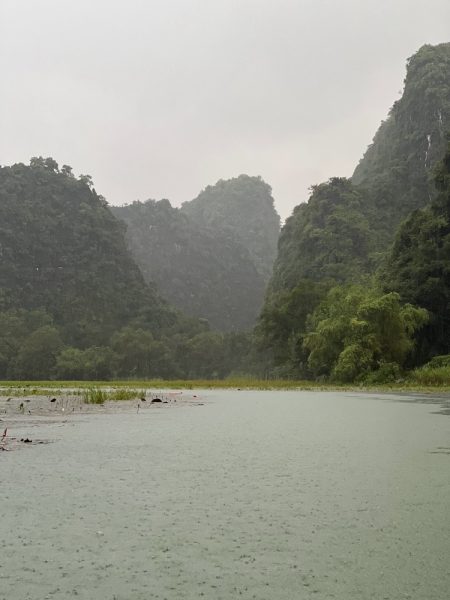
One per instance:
(327, 238)
(342, 235)
(396, 168)
(418, 266)
(204, 271)
(345, 227)
(62, 250)
(244, 208)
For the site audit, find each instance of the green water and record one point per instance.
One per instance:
(255, 495)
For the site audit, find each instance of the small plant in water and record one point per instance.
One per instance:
(94, 396)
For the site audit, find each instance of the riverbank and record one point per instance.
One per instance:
(132, 388)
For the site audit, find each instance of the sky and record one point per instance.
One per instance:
(160, 98)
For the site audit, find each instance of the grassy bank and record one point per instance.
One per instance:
(123, 390)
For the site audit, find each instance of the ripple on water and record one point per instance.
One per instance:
(266, 495)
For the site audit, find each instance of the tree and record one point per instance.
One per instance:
(36, 357)
(15, 326)
(356, 330)
(282, 324)
(140, 355)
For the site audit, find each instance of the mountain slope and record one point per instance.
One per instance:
(243, 206)
(418, 266)
(396, 168)
(327, 238)
(204, 271)
(342, 235)
(63, 250)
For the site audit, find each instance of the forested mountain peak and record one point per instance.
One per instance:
(327, 238)
(211, 258)
(396, 168)
(343, 229)
(244, 206)
(415, 130)
(203, 270)
(63, 251)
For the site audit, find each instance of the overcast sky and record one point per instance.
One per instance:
(159, 98)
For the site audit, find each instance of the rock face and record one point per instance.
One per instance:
(211, 258)
(344, 229)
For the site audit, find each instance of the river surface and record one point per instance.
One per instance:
(254, 495)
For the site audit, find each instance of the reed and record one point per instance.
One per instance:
(94, 395)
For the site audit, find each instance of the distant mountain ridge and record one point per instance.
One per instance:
(244, 207)
(211, 258)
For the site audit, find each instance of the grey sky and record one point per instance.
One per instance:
(159, 98)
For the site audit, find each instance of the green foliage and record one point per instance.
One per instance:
(62, 249)
(94, 396)
(395, 170)
(438, 361)
(327, 238)
(356, 330)
(70, 364)
(140, 355)
(15, 326)
(345, 227)
(37, 354)
(418, 267)
(342, 233)
(95, 363)
(282, 325)
(125, 394)
(431, 376)
(74, 305)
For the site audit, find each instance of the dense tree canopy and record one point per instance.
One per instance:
(327, 238)
(418, 266)
(62, 250)
(356, 331)
(282, 326)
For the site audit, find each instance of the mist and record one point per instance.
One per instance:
(157, 99)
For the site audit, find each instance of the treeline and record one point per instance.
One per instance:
(33, 347)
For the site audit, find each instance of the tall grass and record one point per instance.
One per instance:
(94, 395)
(125, 394)
(432, 376)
